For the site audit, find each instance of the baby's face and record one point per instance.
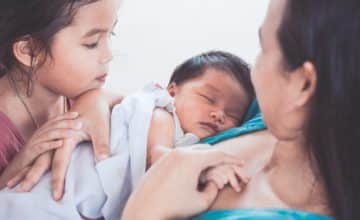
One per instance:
(210, 103)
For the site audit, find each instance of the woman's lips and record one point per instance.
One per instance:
(102, 78)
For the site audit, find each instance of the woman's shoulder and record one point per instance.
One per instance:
(249, 146)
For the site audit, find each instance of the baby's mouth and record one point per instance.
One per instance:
(210, 126)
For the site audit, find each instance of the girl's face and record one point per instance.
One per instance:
(80, 53)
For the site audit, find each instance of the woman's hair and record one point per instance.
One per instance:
(224, 61)
(327, 33)
(36, 21)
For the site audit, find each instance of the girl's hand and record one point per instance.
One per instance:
(48, 137)
(94, 114)
(170, 188)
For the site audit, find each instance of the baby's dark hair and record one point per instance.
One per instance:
(36, 21)
(227, 62)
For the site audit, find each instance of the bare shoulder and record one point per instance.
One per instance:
(249, 146)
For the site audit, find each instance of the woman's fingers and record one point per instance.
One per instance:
(207, 196)
(36, 171)
(60, 164)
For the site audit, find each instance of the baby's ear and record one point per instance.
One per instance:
(172, 89)
(23, 51)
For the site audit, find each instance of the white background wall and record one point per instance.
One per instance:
(154, 36)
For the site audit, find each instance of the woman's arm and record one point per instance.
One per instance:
(169, 190)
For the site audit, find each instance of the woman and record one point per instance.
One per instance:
(307, 80)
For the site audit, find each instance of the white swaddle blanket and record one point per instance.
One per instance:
(100, 189)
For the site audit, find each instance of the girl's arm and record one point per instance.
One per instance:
(94, 109)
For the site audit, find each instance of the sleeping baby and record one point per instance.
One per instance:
(198, 102)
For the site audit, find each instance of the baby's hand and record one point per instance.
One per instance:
(225, 174)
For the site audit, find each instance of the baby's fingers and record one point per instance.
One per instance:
(241, 174)
(234, 181)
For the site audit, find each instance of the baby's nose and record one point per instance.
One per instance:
(218, 116)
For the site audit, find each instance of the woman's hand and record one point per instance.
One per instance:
(48, 137)
(170, 189)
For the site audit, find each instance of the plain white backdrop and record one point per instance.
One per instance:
(154, 36)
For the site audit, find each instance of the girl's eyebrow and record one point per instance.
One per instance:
(94, 32)
(98, 30)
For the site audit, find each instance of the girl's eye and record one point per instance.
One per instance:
(91, 46)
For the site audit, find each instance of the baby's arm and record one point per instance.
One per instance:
(223, 175)
(161, 135)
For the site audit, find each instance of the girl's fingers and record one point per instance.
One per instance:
(17, 178)
(33, 152)
(60, 164)
(56, 134)
(74, 124)
(40, 166)
(63, 117)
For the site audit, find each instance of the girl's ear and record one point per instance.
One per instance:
(172, 89)
(23, 52)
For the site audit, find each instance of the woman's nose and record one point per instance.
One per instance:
(218, 116)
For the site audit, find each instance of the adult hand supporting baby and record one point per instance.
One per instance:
(169, 189)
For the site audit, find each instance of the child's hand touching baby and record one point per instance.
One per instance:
(223, 175)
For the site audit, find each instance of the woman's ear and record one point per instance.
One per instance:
(172, 89)
(23, 52)
(307, 77)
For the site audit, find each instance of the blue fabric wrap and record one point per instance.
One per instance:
(253, 122)
(260, 214)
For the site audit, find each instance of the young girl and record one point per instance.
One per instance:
(51, 52)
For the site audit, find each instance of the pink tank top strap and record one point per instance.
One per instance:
(10, 141)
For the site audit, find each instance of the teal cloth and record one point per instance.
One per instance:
(260, 214)
(253, 122)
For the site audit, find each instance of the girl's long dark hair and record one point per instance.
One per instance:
(36, 21)
(327, 33)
